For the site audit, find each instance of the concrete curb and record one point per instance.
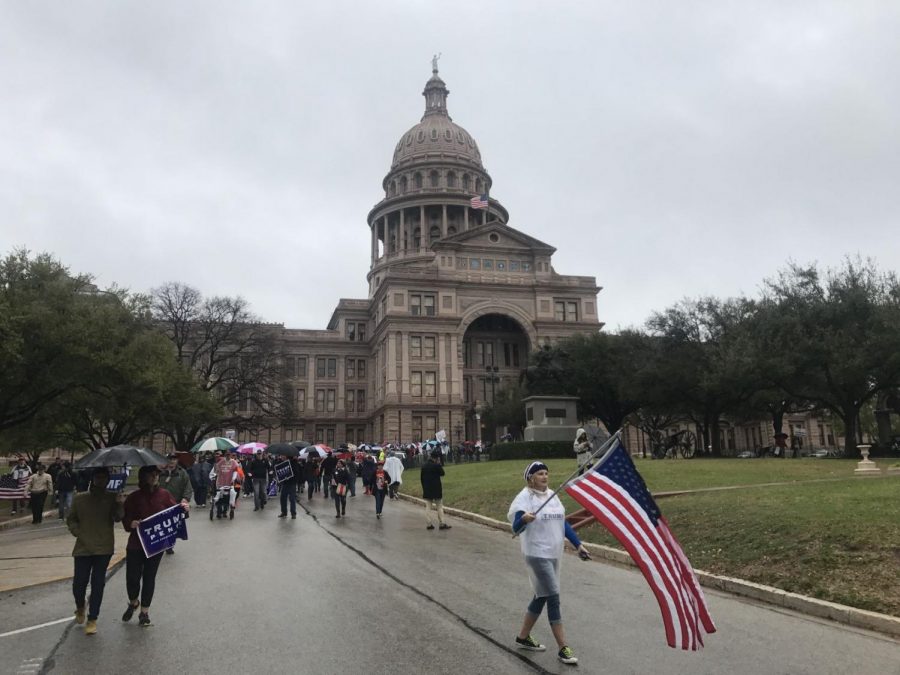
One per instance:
(25, 520)
(851, 616)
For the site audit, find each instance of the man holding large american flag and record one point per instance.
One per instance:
(616, 495)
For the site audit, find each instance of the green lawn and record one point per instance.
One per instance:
(838, 539)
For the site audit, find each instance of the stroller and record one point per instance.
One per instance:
(223, 502)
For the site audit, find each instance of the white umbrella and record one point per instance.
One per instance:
(312, 450)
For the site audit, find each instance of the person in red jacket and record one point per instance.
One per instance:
(140, 571)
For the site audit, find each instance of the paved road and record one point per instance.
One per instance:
(320, 595)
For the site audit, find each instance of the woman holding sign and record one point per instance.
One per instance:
(340, 482)
(140, 571)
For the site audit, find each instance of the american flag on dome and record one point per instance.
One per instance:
(616, 495)
(11, 488)
(479, 202)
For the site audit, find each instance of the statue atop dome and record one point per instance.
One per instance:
(434, 60)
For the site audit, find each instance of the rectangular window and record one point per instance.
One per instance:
(526, 266)
(330, 400)
(415, 305)
(320, 400)
(329, 436)
(428, 304)
(515, 355)
(301, 400)
(461, 263)
(487, 264)
(430, 426)
(565, 310)
(417, 428)
(361, 369)
(415, 383)
(572, 311)
(475, 264)
(350, 369)
(320, 367)
(559, 310)
(507, 354)
(467, 389)
(430, 387)
(320, 434)
(513, 265)
(289, 366)
(428, 347)
(351, 331)
(360, 400)
(466, 354)
(488, 354)
(361, 332)
(350, 404)
(301, 366)
(415, 347)
(332, 367)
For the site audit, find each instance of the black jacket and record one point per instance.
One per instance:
(329, 464)
(431, 481)
(259, 468)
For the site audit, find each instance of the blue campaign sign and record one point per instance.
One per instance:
(283, 472)
(116, 482)
(159, 531)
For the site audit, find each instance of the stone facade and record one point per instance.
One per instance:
(457, 300)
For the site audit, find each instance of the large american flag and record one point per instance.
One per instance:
(10, 488)
(616, 495)
(479, 201)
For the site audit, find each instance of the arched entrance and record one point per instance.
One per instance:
(494, 354)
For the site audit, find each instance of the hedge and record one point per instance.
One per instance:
(533, 450)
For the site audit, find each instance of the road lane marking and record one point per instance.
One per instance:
(31, 628)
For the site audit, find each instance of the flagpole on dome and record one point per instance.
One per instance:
(606, 448)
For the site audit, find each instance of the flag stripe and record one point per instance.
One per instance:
(689, 577)
(655, 544)
(632, 532)
(10, 488)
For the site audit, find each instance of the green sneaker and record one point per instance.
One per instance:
(566, 655)
(529, 643)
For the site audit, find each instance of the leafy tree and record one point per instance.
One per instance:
(831, 339)
(508, 410)
(230, 354)
(702, 370)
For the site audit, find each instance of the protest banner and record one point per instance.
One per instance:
(283, 472)
(159, 531)
(116, 482)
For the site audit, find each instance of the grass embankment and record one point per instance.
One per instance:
(838, 539)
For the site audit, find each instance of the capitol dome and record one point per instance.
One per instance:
(436, 134)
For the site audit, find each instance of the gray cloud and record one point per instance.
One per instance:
(669, 149)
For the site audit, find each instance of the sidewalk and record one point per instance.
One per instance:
(33, 555)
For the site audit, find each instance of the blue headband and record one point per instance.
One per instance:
(534, 467)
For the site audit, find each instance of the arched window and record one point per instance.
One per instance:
(403, 184)
(434, 233)
(467, 182)
(451, 230)
(393, 189)
(478, 186)
(451, 180)
(435, 178)
(417, 179)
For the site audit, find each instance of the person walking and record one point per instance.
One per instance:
(541, 539)
(289, 490)
(310, 471)
(433, 491)
(65, 488)
(199, 473)
(379, 488)
(393, 467)
(140, 571)
(340, 480)
(91, 520)
(21, 472)
(368, 473)
(582, 448)
(38, 487)
(259, 473)
(327, 468)
(352, 471)
(174, 479)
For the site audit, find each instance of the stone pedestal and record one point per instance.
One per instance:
(866, 467)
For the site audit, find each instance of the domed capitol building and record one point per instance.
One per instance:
(457, 299)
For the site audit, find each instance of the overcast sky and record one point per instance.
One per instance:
(670, 149)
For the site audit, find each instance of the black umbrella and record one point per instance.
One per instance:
(286, 449)
(120, 455)
(299, 444)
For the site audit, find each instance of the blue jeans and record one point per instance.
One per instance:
(352, 486)
(536, 606)
(90, 568)
(65, 503)
(379, 500)
(289, 492)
